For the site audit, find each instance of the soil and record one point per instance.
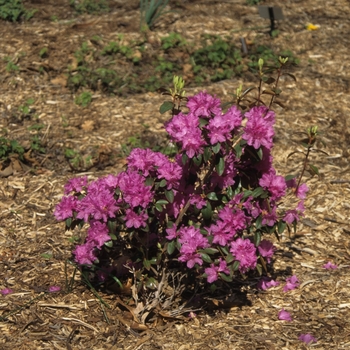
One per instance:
(34, 247)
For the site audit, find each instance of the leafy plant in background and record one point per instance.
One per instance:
(77, 161)
(11, 67)
(43, 53)
(214, 58)
(218, 59)
(13, 11)
(150, 11)
(253, 2)
(8, 147)
(89, 6)
(25, 109)
(84, 99)
(173, 41)
(200, 217)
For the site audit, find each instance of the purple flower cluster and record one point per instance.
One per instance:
(202, 206)
(259, 128)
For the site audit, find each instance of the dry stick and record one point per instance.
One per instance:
(304, 167)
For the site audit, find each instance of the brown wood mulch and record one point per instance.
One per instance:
(34, 247)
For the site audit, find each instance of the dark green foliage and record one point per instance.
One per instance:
(89, 6)
(122, 67)
(8, 147)
(13, 11)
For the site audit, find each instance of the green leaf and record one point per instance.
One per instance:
(147, 264)
(112, 227)
(169, 194)
(159, 207)
(207, 154)
(314, 170)
(224, 250)
(258, 222)
(238, 150)
(225, 277)
(153, 261)
(235, 265)
(216, 148)
(109, 244)
(209, 251)
(229, 258)
(117, 280)
(220, 166)
(197, 160)
(149, 181)
(289, 177)
(212, 196)
(247, 193)
(151, 283)
(162, 202)
(46, 255)
(257, 238)
(206, 258)
(259, 192)
(184, 159)
(162, 183)
(202, 122)
(69, 222)
(259, 269)
(170, 247)
(207, 212)
(166, 106)
(260, 153)
(281, 226)
(113, 236)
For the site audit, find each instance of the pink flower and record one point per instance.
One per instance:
(266, 283)
(330, 266)
(301, 191)
(245, 252)
(213, 271)
(6, 291)
(98, 233)
(259, 130)
(203, 104)
(284, 315)
(292, 283)
(266, 249)
(307, 338)
(76, 184)
(135, 220)
(54, 289)
(275, 184)
(64, 209)
(84, 254)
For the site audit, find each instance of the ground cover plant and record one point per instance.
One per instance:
(213, 59)
(14, 10)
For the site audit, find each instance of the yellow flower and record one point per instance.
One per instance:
(311, 26)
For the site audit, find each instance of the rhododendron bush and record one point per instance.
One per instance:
(208, 212)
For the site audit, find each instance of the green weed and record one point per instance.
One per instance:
(150, 11)
(36, 144)
(11, 67)
(44, 52)
(13, 11)
(89, 6)
(8, 147)
(172, 41)
(76, 160)
(84, 99)
(25, 109)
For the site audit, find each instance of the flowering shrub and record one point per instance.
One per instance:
(204, 212)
